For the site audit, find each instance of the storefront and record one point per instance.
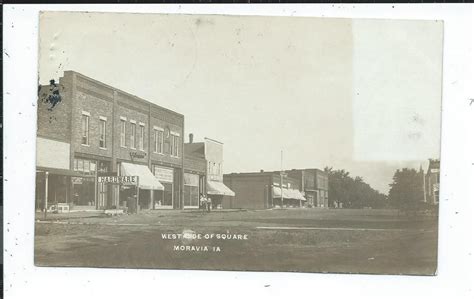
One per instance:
(55, 186)
(149, 186)
(216, 190)
(191, 190)
(87, 194)
(291, 197)
(166, 176)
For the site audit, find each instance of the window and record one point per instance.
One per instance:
(174, 145)
(123, 128)
(102, 132)
(141, 137)
(133, 133)
(158, 135)
(85, 166)
(85, 128)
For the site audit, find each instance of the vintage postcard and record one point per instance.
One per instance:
(246, 143)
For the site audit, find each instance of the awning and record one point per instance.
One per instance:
(146, 180)
(296, 194)
(287, 193)
(64, 172)
(277, 193)
(218, 188)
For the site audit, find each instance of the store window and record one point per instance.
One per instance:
(102, 132)
(166, 178)
(84, 188)
(191, 190)
(85, 128)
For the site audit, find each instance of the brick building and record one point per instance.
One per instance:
(206, 159)
(262, 190)
(314, 183)
(194, 173)
(87, 129)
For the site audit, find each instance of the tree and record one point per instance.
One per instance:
(406, 190)
(353, 192)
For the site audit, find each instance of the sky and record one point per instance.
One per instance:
(362, 95)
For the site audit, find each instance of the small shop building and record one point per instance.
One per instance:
(205, 160)
(263, 190)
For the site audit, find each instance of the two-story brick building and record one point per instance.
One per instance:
(95, 129)
(314, 183)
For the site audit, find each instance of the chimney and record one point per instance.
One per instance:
(191, 137)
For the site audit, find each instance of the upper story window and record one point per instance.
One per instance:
(174, 145)
(141, 136)
(102, 132)
(158, 138)
(123, 130)
(84, 166)
(133, 134)
(85, 128)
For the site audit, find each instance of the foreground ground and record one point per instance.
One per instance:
(307, 240)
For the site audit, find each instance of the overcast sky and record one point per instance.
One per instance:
(361, 95)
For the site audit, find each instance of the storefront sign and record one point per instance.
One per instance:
(76, 180)
(139, 155)
(164, 174)
(130, 180)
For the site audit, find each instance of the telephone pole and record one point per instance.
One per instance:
(281, 178)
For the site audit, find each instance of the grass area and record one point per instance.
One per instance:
(349, 241)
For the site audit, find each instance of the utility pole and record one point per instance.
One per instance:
(281, 177)
(46, 194)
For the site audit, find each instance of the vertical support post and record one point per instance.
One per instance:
(96, 187)
(138, 193)
(281, 178)
(152, 206)
(46, 194)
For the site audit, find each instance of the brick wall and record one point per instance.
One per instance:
(55, 123)
(160, 119)
(251, 192)
(195, 164)
(123, 153)
(96, 107)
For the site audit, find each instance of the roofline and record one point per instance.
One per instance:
(126, 93)
(207, 138)
(272, 171)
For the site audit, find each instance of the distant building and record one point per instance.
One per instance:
(432, 179)
(206, 159)
(263, 190)
(314, 184)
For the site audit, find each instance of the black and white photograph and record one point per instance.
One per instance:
(248, 143)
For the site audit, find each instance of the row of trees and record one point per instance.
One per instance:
(353, 192)
(406, 191)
